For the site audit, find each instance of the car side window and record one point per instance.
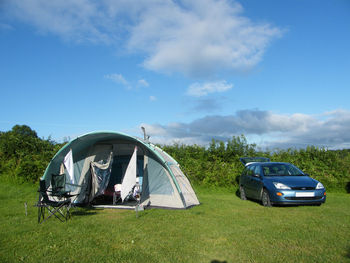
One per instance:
(257, 170)
(266, 170)
(251, 170)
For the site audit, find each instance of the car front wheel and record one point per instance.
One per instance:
(265, 198)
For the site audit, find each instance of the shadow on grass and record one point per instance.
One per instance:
(238, 194)
(285, 205)
(347, 187)
(218, 261)
(83, 212)
(348, 253)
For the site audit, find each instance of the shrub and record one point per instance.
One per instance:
(23, 155)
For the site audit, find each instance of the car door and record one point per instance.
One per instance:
(244, 179)
(249, 189)
(254, 182)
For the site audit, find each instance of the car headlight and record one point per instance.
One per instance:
(280, 185)
(319, 186)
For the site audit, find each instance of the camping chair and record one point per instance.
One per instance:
(117, 193)
(59, 209)
(135, 193)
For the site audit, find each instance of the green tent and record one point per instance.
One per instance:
(99, 162)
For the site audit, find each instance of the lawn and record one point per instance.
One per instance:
(222, 229)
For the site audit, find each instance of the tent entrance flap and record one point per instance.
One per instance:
(129, 180)
(100, 175)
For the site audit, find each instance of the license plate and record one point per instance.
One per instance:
(304, 194)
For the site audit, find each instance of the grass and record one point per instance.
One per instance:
(222, 229)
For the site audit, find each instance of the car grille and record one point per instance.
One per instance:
(304, 198)
(303, 188)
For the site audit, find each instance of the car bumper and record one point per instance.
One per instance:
(298, 197)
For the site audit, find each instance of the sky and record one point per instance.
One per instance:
(188, 71)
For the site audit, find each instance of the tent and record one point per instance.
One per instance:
(95, 162)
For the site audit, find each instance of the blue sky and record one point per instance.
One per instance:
(189, 71)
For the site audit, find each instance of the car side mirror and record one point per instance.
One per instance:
(257, 175)
(306, 174)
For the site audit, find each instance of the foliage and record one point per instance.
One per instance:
(23, 155)
(219, 165)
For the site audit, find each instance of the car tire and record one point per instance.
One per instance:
(265, 198)
(242, 193)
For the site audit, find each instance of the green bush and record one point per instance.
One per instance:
(24, 157)
(219, 165)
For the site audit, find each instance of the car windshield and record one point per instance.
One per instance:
(281, 169)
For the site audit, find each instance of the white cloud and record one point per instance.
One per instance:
(154, 129)
(197, 38)
(142, 83)
(130, 85)
(199, 90)
(117, 78)
(75, 20)
(330, 129)
(152, 98)
(200, 38)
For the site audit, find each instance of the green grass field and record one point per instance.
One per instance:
(222, 229)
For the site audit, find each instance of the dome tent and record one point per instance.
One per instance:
(163, 182)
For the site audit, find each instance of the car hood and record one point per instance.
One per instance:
(293, 181)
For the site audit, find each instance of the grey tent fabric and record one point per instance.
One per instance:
(100, 160)
(98, 153)
(188, 194)
(100, 174)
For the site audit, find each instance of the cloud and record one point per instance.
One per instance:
(206, 104)
(199, 90)
(330, 129)
(198, 38)
(200, 99)
(117, 78)
(130, 85)
(142, 83)
(73, 20)
(152, 98)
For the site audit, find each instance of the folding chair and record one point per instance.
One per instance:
(58, 209)
(116, 193)
(58, 184)
(135, 193)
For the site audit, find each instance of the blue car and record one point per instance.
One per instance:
(277, 183)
